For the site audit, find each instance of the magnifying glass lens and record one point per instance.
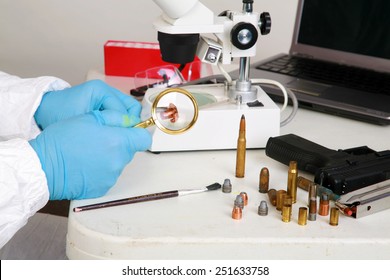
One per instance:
(175, 111)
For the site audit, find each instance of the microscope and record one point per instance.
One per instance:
(186, 29)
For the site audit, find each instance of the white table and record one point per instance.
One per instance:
(200, 226)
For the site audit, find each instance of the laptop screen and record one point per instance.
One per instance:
(353, 26)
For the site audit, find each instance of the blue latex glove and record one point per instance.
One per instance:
(89, 96)
(83, 156)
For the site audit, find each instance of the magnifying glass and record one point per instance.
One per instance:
(174, 111)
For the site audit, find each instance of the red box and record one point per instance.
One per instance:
(126, 58)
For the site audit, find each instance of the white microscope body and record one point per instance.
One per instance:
(220, 106)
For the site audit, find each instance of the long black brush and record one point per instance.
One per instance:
(146, 197)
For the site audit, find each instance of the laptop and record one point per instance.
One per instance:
(339, 59)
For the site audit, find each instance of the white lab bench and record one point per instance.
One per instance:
(200, 226)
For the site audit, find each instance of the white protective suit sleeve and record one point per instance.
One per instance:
(23, 185)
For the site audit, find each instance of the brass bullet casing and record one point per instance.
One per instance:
(304, 183)
(292, 180)
(272, 196)
(280, 195)
(323, 209)
(287, 200)
(286, 213)
(302, 216)
(244, 196)
(237, 213)
(241, 150)
(334, 216)
(264, 180)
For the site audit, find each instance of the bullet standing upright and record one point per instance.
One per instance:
(241, 150)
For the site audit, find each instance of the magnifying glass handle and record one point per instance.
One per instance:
(146, 123)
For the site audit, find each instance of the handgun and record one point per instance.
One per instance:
(341, 171)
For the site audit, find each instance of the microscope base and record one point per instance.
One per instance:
(218, 122)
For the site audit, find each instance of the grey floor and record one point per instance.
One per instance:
(43, 238)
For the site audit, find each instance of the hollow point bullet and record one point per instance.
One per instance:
(241, 150)
(264, 180)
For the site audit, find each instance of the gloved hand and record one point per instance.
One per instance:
(89, 96)
(83, 156)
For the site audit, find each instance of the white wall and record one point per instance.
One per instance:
(65, 38)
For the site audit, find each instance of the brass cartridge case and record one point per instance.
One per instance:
(272, 196)
(241, 150)
(292, 180)
(286, 213)
(302, 216)
(334, 216)
(237, 213)
(264, 180)
(287, 200)
(280, 195)
(304, 183)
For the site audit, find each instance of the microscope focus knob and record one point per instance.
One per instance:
(243, 35)
(265, 23)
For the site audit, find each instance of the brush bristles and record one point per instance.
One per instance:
(214, 186)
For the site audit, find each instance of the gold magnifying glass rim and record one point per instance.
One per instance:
(154, 119)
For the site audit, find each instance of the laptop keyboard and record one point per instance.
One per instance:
(330, 73)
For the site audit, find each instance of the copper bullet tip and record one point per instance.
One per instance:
(237, 213)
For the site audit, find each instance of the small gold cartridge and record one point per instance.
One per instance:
(286, 213)
(264, 180)
(334, 216)
(302, 216)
